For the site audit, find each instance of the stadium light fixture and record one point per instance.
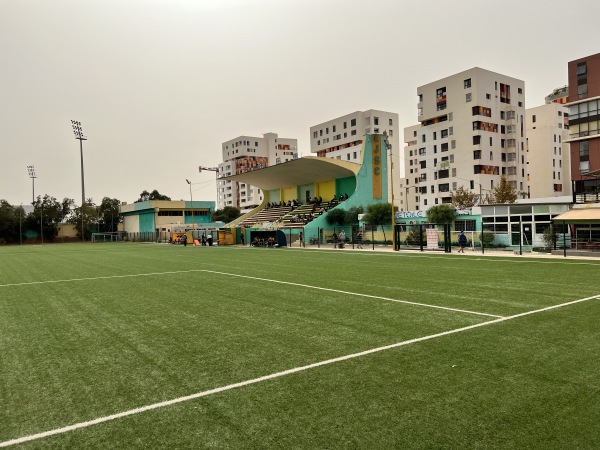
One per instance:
(191, 206)
(31, 171)
(78, 132)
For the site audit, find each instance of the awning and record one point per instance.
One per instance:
(580, 215)
(306, 170)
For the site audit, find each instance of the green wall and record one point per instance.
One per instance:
(147, 223)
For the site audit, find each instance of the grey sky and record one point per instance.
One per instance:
(158, 85)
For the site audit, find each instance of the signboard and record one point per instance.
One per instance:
(432, 238)
(376, 165)
(410, 214)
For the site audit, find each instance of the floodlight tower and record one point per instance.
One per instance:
(78, 132)
(191, 206)
(31, 171)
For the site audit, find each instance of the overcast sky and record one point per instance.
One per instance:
(159, 84)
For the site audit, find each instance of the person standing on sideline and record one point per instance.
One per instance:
(334, 238)
(184, 237)
(342, 238)
(243, 238)
(301, 238)
(359, 238)
(462, 242)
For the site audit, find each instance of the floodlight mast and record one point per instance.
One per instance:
(31, 171)
(192, 207)
(78, 132)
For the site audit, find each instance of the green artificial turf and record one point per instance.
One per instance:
(92, 330)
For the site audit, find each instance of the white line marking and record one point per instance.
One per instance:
(406, 302)
(272, 376)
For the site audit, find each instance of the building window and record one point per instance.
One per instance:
(488, 96)
(584, 157)
(467, 83)
(468, 97)
(390, 123)
(353, 122)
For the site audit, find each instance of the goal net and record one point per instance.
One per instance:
(107, 237)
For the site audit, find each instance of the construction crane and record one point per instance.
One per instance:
(210, 169)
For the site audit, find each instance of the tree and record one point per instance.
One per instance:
(379, 214)
(550, 237)
(441, 214)
(227, 214)
(108, 212)
(504, 192)
(46, 216)
(154, 195)
(462, 199)
(353, 213)
(336, 217)
(10, 218)
(90, 219)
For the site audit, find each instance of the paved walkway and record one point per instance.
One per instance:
(468, 252)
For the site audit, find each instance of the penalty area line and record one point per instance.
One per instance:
(357, 294)
(272, 376)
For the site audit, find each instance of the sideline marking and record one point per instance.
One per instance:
(406, 302)
(229, 387)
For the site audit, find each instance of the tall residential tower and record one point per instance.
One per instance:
(471, 132)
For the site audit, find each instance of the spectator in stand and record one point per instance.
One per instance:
(334, 199)
(320, 200)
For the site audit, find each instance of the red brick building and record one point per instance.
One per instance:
(584, 125)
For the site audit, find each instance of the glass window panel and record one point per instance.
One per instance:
(501, 210)
(520, 209)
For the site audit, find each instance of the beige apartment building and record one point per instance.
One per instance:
(548, 162)
(245, 154)
(471, 131)
(342, 138)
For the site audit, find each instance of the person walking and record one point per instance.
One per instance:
(359, 239)
(462, 242)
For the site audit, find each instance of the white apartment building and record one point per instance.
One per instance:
(247, 153)
(342, 138)
(548, 161)
(471, 132)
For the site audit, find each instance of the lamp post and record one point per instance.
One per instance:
(31, 171)
(78, 132)
(20, 220)
(191, 206)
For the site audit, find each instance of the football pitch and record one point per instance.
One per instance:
(159, 346)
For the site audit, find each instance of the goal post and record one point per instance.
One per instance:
(107, 237)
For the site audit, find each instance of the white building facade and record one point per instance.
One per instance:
(247, 153)
(548, 162)
(471, 132)
(342, 138)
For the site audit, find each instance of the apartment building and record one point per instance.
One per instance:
(247, 153)
(342, 138)
(471, 132)
(584, 122)
(548, 168)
